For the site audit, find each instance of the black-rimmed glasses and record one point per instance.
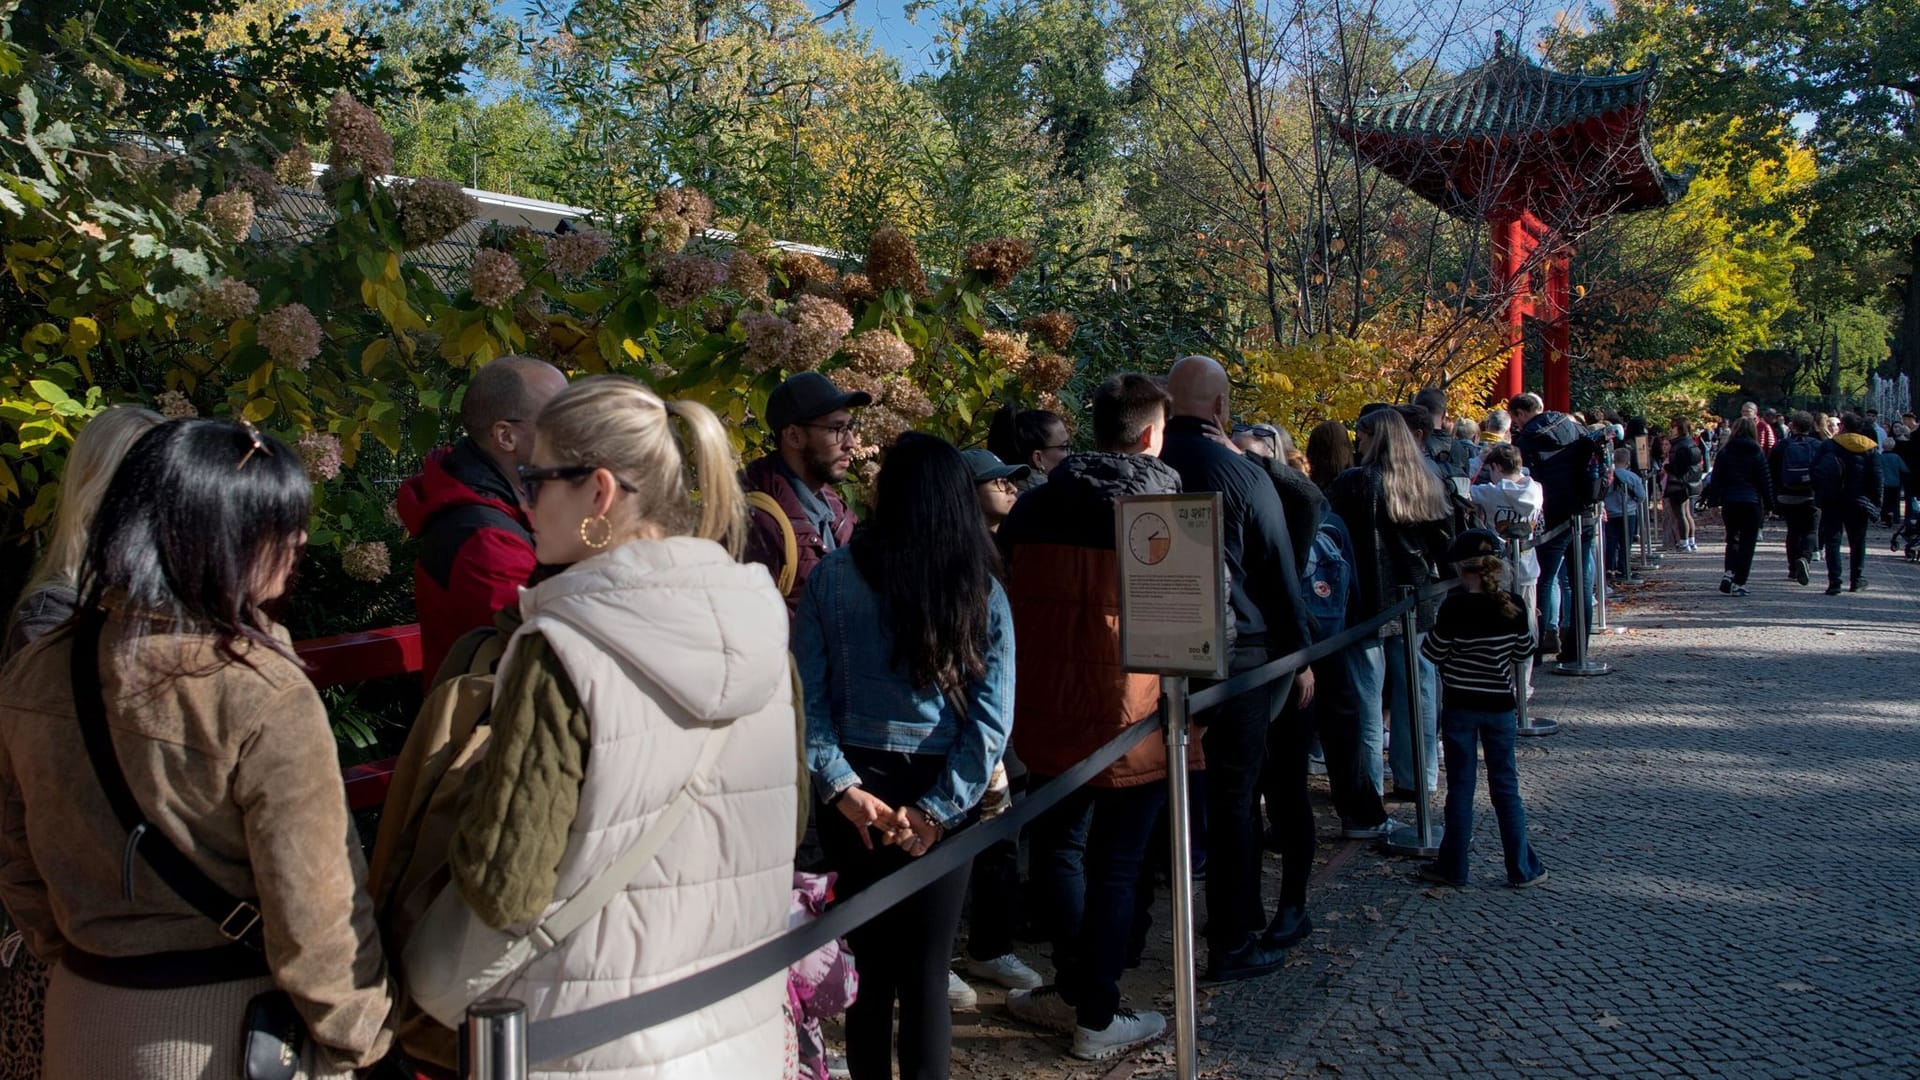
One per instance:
(840, 432)
(259, 445)
(531, 477)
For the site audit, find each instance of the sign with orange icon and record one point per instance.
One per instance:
(1173, 585)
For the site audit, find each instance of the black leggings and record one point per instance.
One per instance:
(1743, 533)
(904, 954)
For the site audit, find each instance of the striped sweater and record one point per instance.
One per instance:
(1475, 645)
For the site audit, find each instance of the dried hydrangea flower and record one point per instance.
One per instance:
(175, 405)
(747, 274)
(226, 300)
(184, 201)
(893, 262)
(572, 254)
(291, 335)
(800, 270)
(1055, 328)
(367, 561)
(878, 353)
(882, 424)
(1048, 372)
(1007, 350)
(256, 182)
(432, 210)
(320, 453)
(820, 325)
(769, 340)
(1001, 259)
(716, 318)
(359, 142)
(495, 277)
(295, 167)
(680, 279)
(858, 289)
(905, 397)
(231, 214)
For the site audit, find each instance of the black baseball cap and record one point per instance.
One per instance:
(807, 396)
(1474, 544)
(986, 466)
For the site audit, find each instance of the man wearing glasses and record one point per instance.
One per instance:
(794, 505)
(476, 544)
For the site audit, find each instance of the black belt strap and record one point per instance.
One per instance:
(238, 920)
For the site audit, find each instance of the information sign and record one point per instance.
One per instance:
(1173, 585)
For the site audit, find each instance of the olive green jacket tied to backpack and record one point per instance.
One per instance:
(652, 676)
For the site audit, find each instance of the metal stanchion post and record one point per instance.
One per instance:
(1186, 1025)
(1648, 560)
(1577, 569)
(1523, 668)
(495, 1047)
(1424, 838)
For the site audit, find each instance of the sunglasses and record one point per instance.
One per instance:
(531, 478)
(259, 445)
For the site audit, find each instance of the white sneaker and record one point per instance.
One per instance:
(1369, 832)
(1006, 970)
(959, 994)
(1127, 1030)
(1043, 1007)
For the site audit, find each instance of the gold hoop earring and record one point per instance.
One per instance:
(606, 536)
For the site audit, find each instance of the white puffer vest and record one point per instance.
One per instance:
(666, 642)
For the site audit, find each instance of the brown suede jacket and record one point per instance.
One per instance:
(237, 768)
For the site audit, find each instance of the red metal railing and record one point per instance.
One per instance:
(353, 658)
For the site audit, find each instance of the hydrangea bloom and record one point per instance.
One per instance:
(1055, 328)
(367, 561)
(1005, 349)
(291, 335)
(893, 262)
(747, 275)
(1000, 259)
(1048, 372)
(227, 300)
(231, 214)
(680, 279)
(175, 405)
(495, 278)
(905, 397)
(820, 325)
(430, 210)
(769, 340)
(295, 167)
(878, 353)
(320, 453)
(359, 142)
(571, 254)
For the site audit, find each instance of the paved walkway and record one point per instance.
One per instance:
(1734, 837)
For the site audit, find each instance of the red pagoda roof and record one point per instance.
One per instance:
(1511, 136)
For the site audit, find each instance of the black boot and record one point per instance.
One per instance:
(1250, 959)
(1859, 585)
(1289, 927)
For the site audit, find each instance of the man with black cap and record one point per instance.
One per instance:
(795, 516)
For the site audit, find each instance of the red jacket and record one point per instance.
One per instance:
(476, 546)
(766, 541)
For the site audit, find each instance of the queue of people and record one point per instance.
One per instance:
(710, 678)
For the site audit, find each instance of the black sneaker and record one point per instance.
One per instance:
(1432, 872)
(1246, 962)
(1800, 571)
(1833, 588)
(1859, 585)
(1726, 583)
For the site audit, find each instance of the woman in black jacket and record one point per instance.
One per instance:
(1741, 487)
(1684, 463)
(1401, 523)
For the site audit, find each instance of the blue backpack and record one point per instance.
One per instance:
(1326, 581)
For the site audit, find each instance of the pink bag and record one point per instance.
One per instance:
(824, 982)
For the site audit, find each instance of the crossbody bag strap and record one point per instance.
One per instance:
(606, 885)
(238, 920)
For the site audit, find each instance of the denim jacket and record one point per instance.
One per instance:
(843, 644)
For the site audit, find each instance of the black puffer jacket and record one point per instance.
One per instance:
(1263, 581)
(1558, 453)
(1387, 556)
(1740, 475)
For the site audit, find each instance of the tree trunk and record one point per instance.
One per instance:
(1906, 342)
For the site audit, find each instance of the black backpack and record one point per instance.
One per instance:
(1797, 456)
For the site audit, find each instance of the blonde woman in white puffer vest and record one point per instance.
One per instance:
(651, 642)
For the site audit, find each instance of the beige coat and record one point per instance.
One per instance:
(237, 768)
(664, 644)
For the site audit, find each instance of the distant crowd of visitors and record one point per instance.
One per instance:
(676, 706)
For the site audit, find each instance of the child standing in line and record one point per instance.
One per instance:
(1480, 633)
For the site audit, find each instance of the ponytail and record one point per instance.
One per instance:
(715, 484)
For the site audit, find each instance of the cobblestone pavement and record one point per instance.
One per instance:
(1735, 850)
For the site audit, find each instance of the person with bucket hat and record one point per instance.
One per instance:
(1481, 632)
(794, 514)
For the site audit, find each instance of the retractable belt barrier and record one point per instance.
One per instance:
(504, 1042)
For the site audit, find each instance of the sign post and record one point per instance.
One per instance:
(1173, 623)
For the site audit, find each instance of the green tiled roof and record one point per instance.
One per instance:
(1507, 95)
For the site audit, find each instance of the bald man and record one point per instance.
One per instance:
(1268, 621)
(476, 544)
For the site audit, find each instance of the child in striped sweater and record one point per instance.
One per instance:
(1480, 633)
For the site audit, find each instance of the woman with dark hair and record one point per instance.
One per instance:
(1742, 487)
(1685, 467)
(206, 724)
(1035, 438)
(1329, 453)
(905, 645)
(1401, 523)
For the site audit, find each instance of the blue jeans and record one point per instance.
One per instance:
(1461, 730)
(1401, 713)
(1367, 667)
(1552, 556)
(1096, 844)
